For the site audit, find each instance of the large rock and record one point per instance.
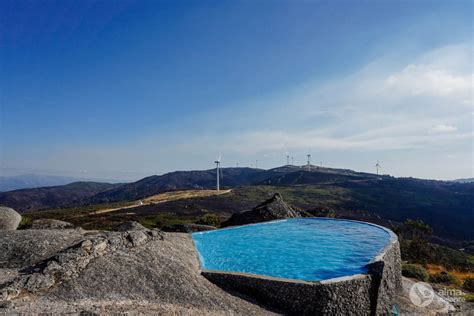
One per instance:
(9, 219)
(109, 273)
(48, 223)
(272, 209)
(21, 248)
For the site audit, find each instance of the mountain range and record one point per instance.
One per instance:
(445, 205)
(30, 181)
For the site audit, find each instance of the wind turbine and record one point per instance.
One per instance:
(377, 166)
(292, 161)
(218, 163)
(309, 162)
(287, 159)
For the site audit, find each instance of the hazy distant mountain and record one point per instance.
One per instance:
(73, 194)
(32, 181)
(465, 180)
(29, 181)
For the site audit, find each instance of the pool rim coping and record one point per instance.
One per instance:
(377, 257)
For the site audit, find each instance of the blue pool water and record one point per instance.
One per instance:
(310, 249)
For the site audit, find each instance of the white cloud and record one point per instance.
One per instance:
(424, 105)
(442, 128)
(422, 79)
(419, 105)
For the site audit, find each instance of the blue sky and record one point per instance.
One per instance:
(125, 89)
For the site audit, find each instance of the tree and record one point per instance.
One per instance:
(413, 235)
(210, 219)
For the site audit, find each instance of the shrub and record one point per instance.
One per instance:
(415, 271)
(469, 284)
(210, 219)
(442, 277)
(25, 222)
(469, 298)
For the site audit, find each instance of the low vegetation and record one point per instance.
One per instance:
(210, 219)
(415, 271)
(25, 222)
(443, 278)
(468, 284)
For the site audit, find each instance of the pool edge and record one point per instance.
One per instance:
(371, 293)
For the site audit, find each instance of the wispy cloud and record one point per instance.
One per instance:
(442, 128)
(422, 104)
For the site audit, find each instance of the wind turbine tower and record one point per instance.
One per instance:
(218, 163)
(287, 159)
(377, 166)
(309, 162)
(292, 158)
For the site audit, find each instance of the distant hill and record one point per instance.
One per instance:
(29, 181)
(465, 180)
(32, 181)
(77, 193)
(180, 180)
(445, 205)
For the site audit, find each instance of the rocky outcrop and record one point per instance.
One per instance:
(69, 263)
(49, 223)
(21, 248)
(272, 209)
(188, 228)
(9, 219)
(145, 271)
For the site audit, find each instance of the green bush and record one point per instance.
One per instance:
(469, 298)
(415, 271)
(442, 277)
(25, 222)
(468, 284)
(210, 219)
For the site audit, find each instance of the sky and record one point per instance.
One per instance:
(126, 89)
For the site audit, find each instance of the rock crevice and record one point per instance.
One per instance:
(69, 263)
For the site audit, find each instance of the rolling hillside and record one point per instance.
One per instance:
(445, 206)
(180, 180)
(77, 193)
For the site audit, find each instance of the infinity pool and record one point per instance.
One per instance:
(310, 249)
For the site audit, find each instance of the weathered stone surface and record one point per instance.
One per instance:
(387, 272)
(9, 219)
(271, 209)
(188, 228)
(21, 248)
(38, 281)
(301, 298)
(158, 276)
(127, 226)
(48, 223)
(69, 263)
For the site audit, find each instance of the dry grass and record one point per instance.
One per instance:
(179, 195)
(165, 197)
(459, 276)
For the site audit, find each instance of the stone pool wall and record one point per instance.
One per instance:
(373, 293)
